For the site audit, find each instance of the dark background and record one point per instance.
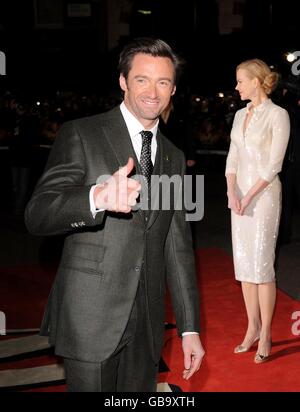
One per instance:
(47, 49)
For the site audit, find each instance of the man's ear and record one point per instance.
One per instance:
(173, 91)
(122, 82)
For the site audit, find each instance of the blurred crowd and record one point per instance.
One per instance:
(199, 125)
(28, 128)
(37, 121)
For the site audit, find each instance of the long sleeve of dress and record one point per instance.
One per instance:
(232, 159)
(280, 138)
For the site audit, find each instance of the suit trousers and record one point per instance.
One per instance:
(130, 368)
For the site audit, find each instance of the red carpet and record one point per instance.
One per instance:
(223, 325)
(23, 293)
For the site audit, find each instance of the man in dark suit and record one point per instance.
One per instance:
(105, 313)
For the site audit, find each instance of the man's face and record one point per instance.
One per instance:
(149, 87)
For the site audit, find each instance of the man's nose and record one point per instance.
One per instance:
(152, 90)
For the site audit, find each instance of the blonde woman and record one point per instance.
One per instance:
(259, 138)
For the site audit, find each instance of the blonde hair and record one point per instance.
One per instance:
(257, 68)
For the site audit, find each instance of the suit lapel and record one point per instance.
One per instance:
(118, 138)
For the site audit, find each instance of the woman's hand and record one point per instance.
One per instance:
(246, 200)
(234, 202)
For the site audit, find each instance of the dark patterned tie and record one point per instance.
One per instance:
(145, 161)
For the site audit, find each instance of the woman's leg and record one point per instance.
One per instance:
(250, 294)
(267, 299)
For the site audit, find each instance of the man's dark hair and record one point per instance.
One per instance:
(152, 47)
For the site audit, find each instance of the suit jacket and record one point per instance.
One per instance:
(96, 284)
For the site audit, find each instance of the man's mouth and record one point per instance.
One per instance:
(150, 102)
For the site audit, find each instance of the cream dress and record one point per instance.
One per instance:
(257, 154)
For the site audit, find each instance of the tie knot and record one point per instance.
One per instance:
(146, 135)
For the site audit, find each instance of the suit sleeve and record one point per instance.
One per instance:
(181, 276)
(60, 202)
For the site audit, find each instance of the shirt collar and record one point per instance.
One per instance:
(132, 123)
(260, 107)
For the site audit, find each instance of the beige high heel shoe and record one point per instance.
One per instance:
(258, 358)
(242, 348)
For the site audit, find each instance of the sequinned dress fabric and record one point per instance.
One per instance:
(255, 153)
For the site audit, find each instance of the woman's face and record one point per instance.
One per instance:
(245, 85)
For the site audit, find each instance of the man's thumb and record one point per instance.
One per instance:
(127, 169)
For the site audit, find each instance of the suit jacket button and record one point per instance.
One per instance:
(137, 268)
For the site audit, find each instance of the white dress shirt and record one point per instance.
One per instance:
(134, 128)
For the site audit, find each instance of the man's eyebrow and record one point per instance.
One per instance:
(140, 76)
(165, 78)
